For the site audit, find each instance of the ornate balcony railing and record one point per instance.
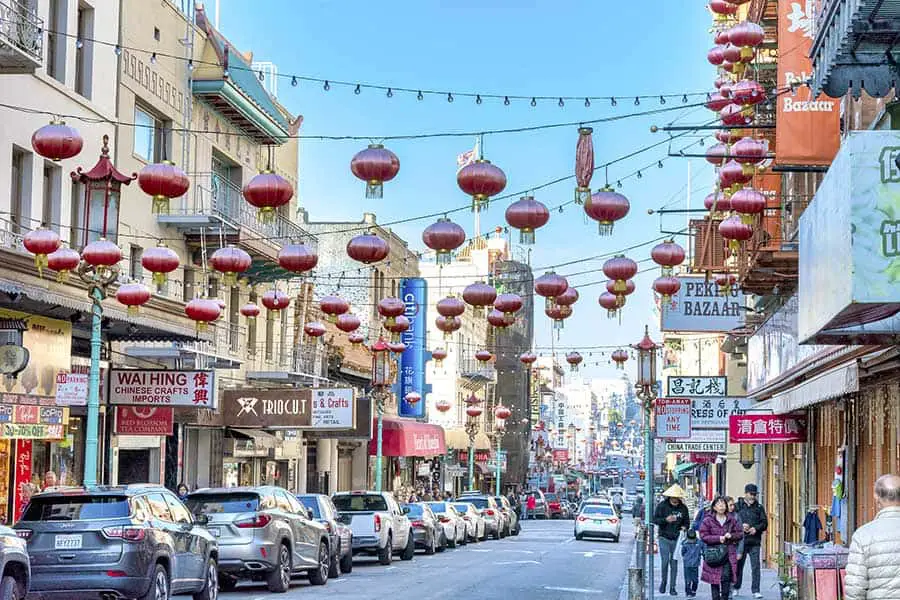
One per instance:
(21, 37)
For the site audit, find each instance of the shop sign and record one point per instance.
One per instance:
(713, 413)
(413, 292)
(333, 408)
(560, 455)
(481, 456)
(32, 414)
(767, 429)
(71, 388)
(40, 431)
(24, 489)
(426, 443)
(703, 441)
(673, 418)
(492, 462)
(144, 420)
(699, 386)
(262, 408)
(699, 305)
(162, 387)
(455, 471)
(49, 342)
(703, 459)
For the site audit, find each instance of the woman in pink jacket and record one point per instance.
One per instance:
(720, 528)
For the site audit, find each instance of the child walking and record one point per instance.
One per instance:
(691, 551)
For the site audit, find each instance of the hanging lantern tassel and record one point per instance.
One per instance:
(584, 164)
(374, 189)
(442, 257)
(734, 246)
(526, 236)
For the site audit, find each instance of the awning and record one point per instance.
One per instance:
(458, 439)
(404, 437)
(261, 439)
(681, 469)
(837, 382)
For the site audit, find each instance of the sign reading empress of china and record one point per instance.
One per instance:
(767, 429)
(699, 305)
(162, 387)
(673, 418)
(713, 413)
(697, 386)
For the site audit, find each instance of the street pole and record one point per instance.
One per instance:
(649, 504)
(378, 442)
(497, 460)
(91, 442)
(471, 462)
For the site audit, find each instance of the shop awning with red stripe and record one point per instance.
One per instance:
(405, 437)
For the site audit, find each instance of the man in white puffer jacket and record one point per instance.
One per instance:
(873, 568)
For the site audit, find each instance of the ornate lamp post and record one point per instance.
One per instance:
(381, 380)
(473, 413)
(98, 268)
(501, 413)
(646, 392)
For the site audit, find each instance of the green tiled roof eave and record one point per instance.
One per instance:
(263, 121)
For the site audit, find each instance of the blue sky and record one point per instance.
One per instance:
(525, 47)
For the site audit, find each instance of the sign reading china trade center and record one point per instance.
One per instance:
(699, 305)
(162, 387)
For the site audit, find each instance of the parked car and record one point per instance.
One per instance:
(475, 526)
(512, 519)
(264, 534)
(340, 537)
(494, 520)
(540, 505)
(428, 535)
(15, 565)
(380, 526)
(135, 541)
(598, 520)
(554, 505)
(452, 522)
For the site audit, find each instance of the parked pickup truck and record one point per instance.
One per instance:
(380, 526)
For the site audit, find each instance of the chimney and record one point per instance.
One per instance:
(369, 218)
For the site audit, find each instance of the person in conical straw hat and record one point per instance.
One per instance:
(671, 518)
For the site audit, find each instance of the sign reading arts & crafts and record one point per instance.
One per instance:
(767, 429)
(333, 408)
(162, 387)
(699, 305)
(144, 420)
(697, 386)
(673, 418)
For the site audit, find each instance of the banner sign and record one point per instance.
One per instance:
(481, 456)
(560, 455)
(808, 131)
(414, 293)
(144, 420)
(713, 413)
(492, 462)
(703, 441)
(21, 431)
(71, 389)
(695, 387)
(162, 387)
(32, 414)
(673, 418)
(311, 408)
(699, 305)
(767, 429)
(24, 489)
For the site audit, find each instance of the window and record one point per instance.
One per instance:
(21, 190)
(149, 136)
(76, 508)
(285, 340)
(312, 505)
(251, 330)
(159, 508)
(51, 208)
(360, 502)
(212, 504)
(296, 506)
(270, 333)
(179, 512)
(282, 502)
(84, 57)
(56, 40)
(76, 224)
(190, 280)
(135, 268)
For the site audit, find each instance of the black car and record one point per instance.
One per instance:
(135, 541)
(321, 508)
(427, 533)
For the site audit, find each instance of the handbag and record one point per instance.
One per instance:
(715, 556)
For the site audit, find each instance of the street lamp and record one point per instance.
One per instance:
(381, 380)
(473, 412)
(98, 268)
(501, 413)
(646, 392)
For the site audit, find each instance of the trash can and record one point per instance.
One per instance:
(820, 571)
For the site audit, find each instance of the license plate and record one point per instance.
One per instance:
(68, 542)
(600, 521)
(215, 531)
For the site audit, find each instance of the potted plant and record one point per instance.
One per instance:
(787, 583)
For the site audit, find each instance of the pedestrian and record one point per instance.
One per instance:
(720, 533)
(50, 481)
(873, 567)
(755, 522)
(701, 514)
(637, 511)
(690, 556)
(732, 510)
(670, 517)
(183, 491)
(530, 506)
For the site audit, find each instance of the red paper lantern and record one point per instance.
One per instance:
(748, 202)
(57, 141)
(502, 413)
(559, 313)
(268, 191)
(747, 92)
(397, 326)
(722, 8)
(584, 165)
(717, 154)
(101, 254)
(297, 258)
(721, 37)
(314, 329)
(474, 410)
(729, 136)
(610, 302)
(508, 304)
(666, 287)
(438, 355)
(749, 151)
(443, 405)
(163, 181)
(717, 202)
(725, 281)
(356, 338)
(333, 306)
(483, 356)
(574, 359)
(629, 287)
(367, 248)
(606, 207)
(275, 300)
(451, 306)
(443, 236)
(550, 285)
(41, 242)
(203, 311)
(620, 357)
(735, 231)
(481, 180)
(390, 308)
(63, 261)
(667, 255)
(133, 295)
(397, 347)
(412, 397)
(568, 297)
(527, 358)
(500, 320)
(231, 262)
(733, 175)
(375, 165)
(746, 33)
(733, 115)
(620, 268)
(731, 53)
(527, 214)
(715, 56)
(159, 260)
(717, 102)
(347, 322)
(250, 310)
(448, 325)
(478, 295)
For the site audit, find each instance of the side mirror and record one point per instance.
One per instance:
(202, 520)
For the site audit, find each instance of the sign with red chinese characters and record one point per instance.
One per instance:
(481, 456)
(560, 455)
(767, 429)
(162, 387)
(22, 480)
(144, 420)
(702, 458)
(673, 418)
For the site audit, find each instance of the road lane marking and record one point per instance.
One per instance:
(517, 562)
(574, 590)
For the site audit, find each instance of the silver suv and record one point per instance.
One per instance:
(264, 534)
(14, 565)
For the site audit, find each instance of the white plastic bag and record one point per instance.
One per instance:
(676, 554)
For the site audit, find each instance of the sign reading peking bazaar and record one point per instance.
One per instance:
(162, 387)
(700, 305)
(767, 429)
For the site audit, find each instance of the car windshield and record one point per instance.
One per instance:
(480, 502)
(312, 506)
(415, 510)
(462, 508)
(76, 508)
(212, 504)
(360, 502)
(438, 507)
(595, 509)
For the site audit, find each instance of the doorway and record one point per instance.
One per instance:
(134, 466)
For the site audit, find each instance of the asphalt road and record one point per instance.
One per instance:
(543, 563)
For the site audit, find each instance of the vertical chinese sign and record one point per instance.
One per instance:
(807, 129)
(414, 293)
(767, 429)
(23, 486)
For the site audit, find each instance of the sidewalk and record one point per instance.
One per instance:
(768, 585)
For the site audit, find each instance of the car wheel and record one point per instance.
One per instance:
(443, 544)
(410, 549)
(9, 589)
(386, 554)
(159, 585)
(334, 564)
(278, 580)
(497, 533)
(431, 548)
(616, 539)
(518, 528)
(227, 583)
(579, 536)
(452, 543)
(319, 575)
(347, 562)
(210, 589)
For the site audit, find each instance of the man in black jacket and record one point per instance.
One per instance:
(755, 521)
(670, 517)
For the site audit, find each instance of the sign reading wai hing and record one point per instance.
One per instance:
(767, 429)
(673, 418)
(162, 387)
(698, 386)
(699, 305)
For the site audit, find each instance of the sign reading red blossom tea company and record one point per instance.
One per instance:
(162, 387)
(144, 420)
(767, 429)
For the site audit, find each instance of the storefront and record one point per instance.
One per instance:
(352, 450)
(456, 462)
(411, 450)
